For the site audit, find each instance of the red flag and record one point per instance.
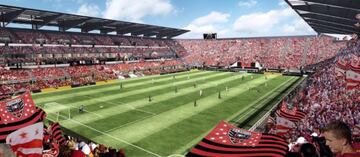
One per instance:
(27, 141)
(17, 109)
(292, 114)
(18, 113)
(226, 140)
(283, 126)
(57, 133)
(341, 67)
(352, 78)
(53, 151)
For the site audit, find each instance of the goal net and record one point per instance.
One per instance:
(56, 111)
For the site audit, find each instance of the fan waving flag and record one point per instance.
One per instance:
(353, 74)
(292, 114)
(226, 140)
(27, 141)
(283, 126)
(57, 133)
(340, 68)
(18, 113)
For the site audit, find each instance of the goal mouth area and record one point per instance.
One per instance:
(56, 110)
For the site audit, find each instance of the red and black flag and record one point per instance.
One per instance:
(57, 133)
(18, 113)
(227, 140)
(290, 113)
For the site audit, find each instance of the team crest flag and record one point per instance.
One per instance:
(18, 113)
(226, 140)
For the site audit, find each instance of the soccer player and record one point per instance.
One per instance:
(201, 92)
(81, 109)
(195, 103)
(150, 98)
(338, 137)
(219, 96)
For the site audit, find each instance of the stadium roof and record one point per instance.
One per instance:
(40, 18)
(328, 16)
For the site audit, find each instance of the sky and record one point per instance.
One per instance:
(227, 18)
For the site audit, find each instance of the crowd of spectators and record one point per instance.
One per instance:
(325, 99)
(284, 52)
(40, 78)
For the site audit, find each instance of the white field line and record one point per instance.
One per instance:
(131, 107)
(113, 137)
(98, 115)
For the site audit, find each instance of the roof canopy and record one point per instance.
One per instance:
(40, 18)
(328, 16)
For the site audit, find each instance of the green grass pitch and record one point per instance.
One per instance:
(170, 123)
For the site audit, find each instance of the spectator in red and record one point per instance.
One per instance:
(338, 137)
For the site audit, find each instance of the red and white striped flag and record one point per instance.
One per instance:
(27, 141)
(283, 126)
(341, 67)
(292, 114)
(352, 78)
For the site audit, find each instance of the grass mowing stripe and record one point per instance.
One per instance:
(112, 89)
(136, 131)
(114, 110)
(162, 105)
(100, 88)
(129, 80)
(131, 107)
(76, 100)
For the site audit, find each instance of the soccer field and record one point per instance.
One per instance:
(170, 123)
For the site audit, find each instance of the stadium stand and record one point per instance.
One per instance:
(325, 97)
(272, 52)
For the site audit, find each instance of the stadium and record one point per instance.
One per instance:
(115, 88)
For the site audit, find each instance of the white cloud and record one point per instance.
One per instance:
(135, 10)
(211, 23)
(282, 3)
(89, 10)
(249, 3)
(297, 27)
(268, 23)
(212, 18)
